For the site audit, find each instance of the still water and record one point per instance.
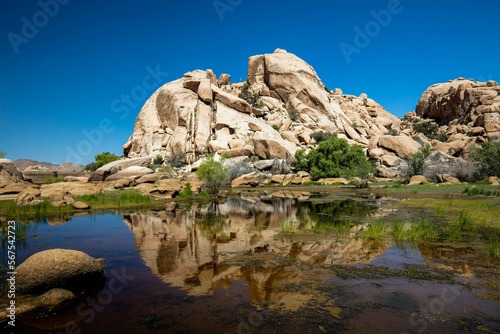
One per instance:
(265, 266)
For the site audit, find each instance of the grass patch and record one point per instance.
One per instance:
(375, 230)
(37, 211)
(53, 179)
(123, 198)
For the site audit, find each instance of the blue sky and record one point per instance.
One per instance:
(62, 83)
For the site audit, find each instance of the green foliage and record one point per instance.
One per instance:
(327, 89)
(253, 99)
(275, 127)
(213, 174)
(101, 160)
(2, 155)
(430, 130)
(294, 115)
(334, 158)
(53, 179)
(320, 136)
(392, 132)
(251, 159)
(176, 160)
(417, 160)
(487, 159)
(187, 192)
(227, 156)
(158, 160)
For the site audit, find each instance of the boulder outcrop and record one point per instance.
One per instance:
(59, 268)
(196, 114)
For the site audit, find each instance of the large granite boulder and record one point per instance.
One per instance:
(9, 172)
(71, 270)
(134, 172)
(459, 98)
(116, 166)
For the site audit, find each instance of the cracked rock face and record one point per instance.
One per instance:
(460, 98)
(197, 114)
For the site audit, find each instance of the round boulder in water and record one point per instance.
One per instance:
(60, 268)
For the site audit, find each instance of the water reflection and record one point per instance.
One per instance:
(206, 247)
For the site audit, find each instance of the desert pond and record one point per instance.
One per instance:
(271, 265)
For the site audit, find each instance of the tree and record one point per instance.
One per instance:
(101, 160)
(253, 99)
(334, 158)
(213, 174)
(487, 159)
(2, 155)
(417, 160)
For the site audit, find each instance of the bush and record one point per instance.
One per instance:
(158, 160)
(334, 158)
(320, 136)
(429, 129)
(392, 132)
(187, 192)
(213, 174)
(253, 99)
(176, 160)
(487, 159)
(417, 160)
(53, 179)
(101, 160)
(2, 155)
(293, 115)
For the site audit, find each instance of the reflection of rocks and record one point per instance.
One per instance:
(200, 250)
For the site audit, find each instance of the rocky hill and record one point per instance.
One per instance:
(33, 165)
(283, 102)
(271, 115)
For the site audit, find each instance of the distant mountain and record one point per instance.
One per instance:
(24, 164)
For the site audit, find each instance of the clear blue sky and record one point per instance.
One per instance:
(65, 77)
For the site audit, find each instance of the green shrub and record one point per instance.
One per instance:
(2, 155)
(158, 160)
(213, 174)
(427, 128)
(253, 99)
(275, 127)
(487, 159)
(442, 137)
(53, 179)
(251, 159)
(101, 160)
(417, 160)
(320, 136)
(293, 115)
(187, 192)
(176, 160)
(392, 132)
(334, 158)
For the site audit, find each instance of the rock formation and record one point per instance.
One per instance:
(462, 112)
(60, 268)
(196, 115)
